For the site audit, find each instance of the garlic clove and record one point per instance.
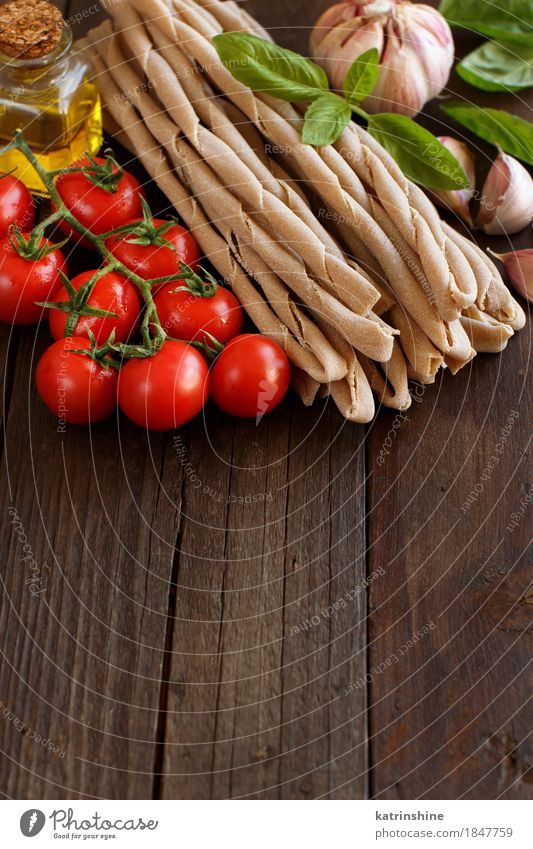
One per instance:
(458, 201)
(414, 42)
(519, 268)
(341, 46)
(401, 86)
(506, 205)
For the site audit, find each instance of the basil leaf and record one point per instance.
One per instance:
(508, 21)
(512, 134)
(419, 154)
(264, 66)
(362, 76)
(499, 67)
(325, 120)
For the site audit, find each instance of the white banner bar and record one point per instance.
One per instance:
(268, 825)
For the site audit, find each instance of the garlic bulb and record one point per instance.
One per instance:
(458, 201)
(414, 42)
(519, 268)
(506, 205)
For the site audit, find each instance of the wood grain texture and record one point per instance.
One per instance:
(84, 615)
(451, 709)
(228, 611)
(255, 703)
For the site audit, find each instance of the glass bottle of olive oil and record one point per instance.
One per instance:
(53, 101)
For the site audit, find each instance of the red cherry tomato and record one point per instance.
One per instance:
(151, 261)
(250, 377)
(98, 209)
(188, 317)
(166, 390)
(112, 293)
(16, 205)
(24, 281)
(73, 386)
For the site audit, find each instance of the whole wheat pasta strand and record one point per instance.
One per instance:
(487, 334)
(463, 272)
(213, 115)
(412, 226)
(499, 301)
(143, 145)
(364, 333)
(304, 385)
(204, 184)
(255, 140)
(493, 295)
(480, 270)
(452, 292)
(448, 337)
(500, 305)
(390, 385)
(352, 288)
(234, 18)
(456, 365)
(352, 395)
(302, 328)
(423, 359)
(461, 290)
(308, 164)
(361, 331)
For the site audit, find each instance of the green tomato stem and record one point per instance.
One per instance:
(98, 242)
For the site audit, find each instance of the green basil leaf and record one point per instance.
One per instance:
(511, 20)
(512, 134)
(325, 120)
(419, 154)
(362, 76)
(263, 66)
(499, 67)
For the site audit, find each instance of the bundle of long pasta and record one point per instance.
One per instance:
(386, 292)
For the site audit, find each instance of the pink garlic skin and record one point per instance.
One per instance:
(458, 201)
(506, 205)
(414, 42)
(519, 268)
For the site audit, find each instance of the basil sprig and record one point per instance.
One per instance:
(325, 119)
(273, 70)
(362, 76)
(511, 21)
(263, 66)
(512, 134)
(423, 158)
(499, 67)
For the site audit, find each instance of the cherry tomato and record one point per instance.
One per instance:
(250, 377)
(188, 317)
(24, 281)
(112, 293)
(166, 390)
(151, 261)
(73, 386)
(97, 208)
(16, 205)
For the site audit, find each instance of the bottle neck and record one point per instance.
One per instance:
(20, 72)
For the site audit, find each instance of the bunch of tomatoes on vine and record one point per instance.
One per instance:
(147, 328)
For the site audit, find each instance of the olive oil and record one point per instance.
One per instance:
(54, 102)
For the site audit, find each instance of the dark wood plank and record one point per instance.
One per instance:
(217, 666)
(83, 619)
(451, 709)
(451, 715)
(256, 706)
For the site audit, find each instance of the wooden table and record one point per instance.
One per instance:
(297, 610)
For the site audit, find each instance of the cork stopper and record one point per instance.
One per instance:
(29, 29)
